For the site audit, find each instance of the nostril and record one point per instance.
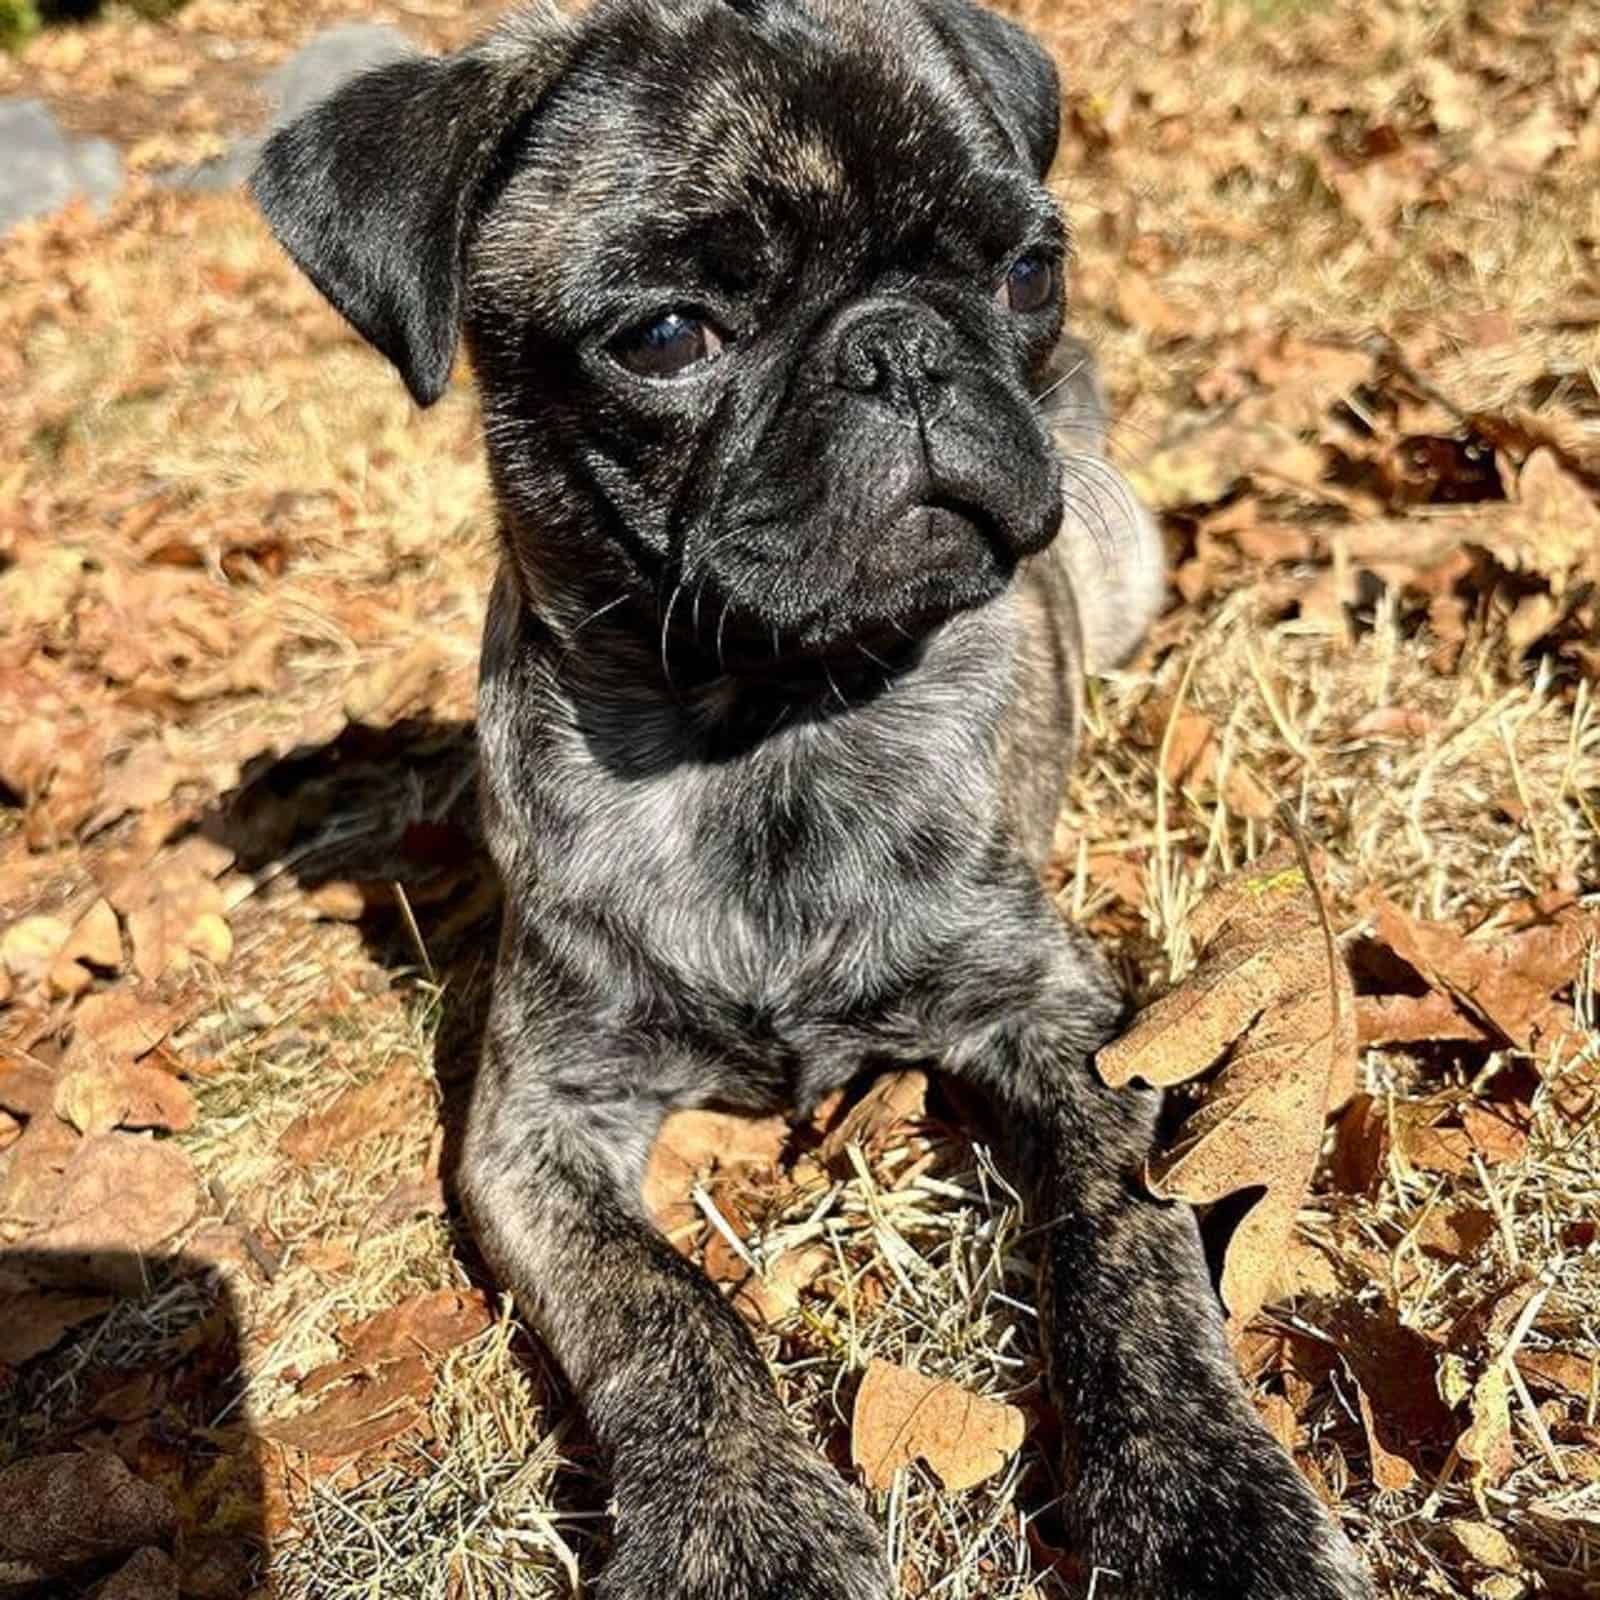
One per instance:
(933, 356)
(863, 364)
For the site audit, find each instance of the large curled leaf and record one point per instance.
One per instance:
(1266, 996)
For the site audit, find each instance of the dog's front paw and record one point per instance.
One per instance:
(1253, 1530)
(774, 1524)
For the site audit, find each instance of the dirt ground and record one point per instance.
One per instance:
(1342, 269)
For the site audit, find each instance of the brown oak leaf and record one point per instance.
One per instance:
(694, 1144)
(1270, 993)
(58, 1512)
(120, 1195)
(396, 1097)
(358, 1408)
(900, 1415)
(123, 1094)
(38, 1319)
(1504, 982)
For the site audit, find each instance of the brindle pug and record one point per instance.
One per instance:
(806, 547)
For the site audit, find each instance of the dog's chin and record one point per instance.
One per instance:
(928, 564)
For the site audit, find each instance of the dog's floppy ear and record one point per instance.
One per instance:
(1016, 78)
(374, 190)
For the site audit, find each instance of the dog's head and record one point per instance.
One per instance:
(758, 293)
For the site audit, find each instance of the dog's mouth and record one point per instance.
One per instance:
(951, 519)
(936, 550)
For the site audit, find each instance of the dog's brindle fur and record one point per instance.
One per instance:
(780, 683)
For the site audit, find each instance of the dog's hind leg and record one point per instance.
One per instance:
(717, 1495)
(1172, 1484)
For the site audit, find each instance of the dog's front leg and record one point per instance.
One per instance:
(717, 1496)
(1173, 1487)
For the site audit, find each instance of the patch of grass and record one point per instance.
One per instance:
(19, 22)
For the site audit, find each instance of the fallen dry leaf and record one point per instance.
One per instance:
(1392, 722)
(1485, 1545)
(27, 1087)
(58, 1512)
(1278, 1413)
(692, 1145)
(1396, 1368)
(1360, 1146)
(1455, 1235)
(52, 747)
(893, 1103)
(1496, 1134)
(121, 1023)
(767, 1297)
(130, 1094)
(397, 1097)
(30, 1176)
(900, 1415)
(1561, 1372)
(1263, 987)
(180, 918)
(148, 1574)
(1560, 518)
(428, 1324)
(723, 1259)
(67, 978)
(1413, 1019)
(1487, 1442)
(1499, 982)
(30, 945)
(421, 1196)
(1429, 1141)
(1389, 1471)
(36, 1320)
(120, 1195)
(96, 940)
(359, 1409)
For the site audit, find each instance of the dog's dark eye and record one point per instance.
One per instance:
(668, 346)
(1030, 285)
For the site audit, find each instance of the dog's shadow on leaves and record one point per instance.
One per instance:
(127, 1465)
(379, 827)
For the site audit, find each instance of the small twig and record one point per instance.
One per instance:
(1163, 756)
(410, 920)
(1497, 1207)
(1507, 1362)
(1430, 1506)
(712, 1215)
(1302, 850)
(1536, 1422)
(266, 1262)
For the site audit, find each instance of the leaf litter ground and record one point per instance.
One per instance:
(1344, 276)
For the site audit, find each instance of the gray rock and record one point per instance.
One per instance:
(310, 75)
(226, 171)
(43, 169)
(323, 63)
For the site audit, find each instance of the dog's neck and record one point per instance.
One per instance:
(620, 655)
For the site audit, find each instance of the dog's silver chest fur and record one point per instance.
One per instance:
(849, 843)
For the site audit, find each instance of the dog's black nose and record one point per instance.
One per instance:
(895, 354)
